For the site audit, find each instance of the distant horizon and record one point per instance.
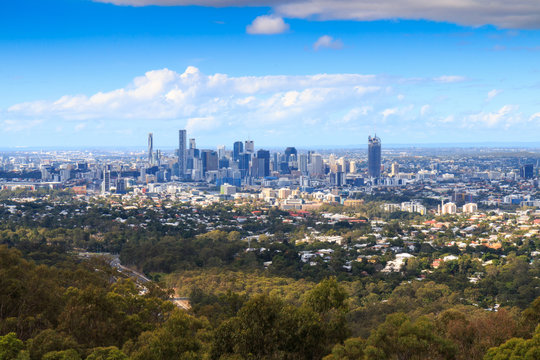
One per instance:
(394, 146)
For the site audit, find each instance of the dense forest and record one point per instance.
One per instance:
(57, 304)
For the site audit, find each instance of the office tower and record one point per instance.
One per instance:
(309, 154)
(374, 157)
(265, 156)
(395, 169)
(223, 163)
(353, 167)
(238, 148)
(182, 153)
(289, 153)
(316, 166)
(192, 144)
(303, 163)
(243, 164)
(221, 151)
(120, 186)
(106, 184)
(344, 164)
(336, 179)
(249, 147)
(257, 167)
(150, 147)
(526, 171)
(209, 160)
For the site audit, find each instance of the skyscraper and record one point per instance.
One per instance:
(526, 171)
(238, 148)
(150, 147)
(265, 156)
(290, 152)
(374, 157)
(249, 147)
(181, 153)
(106, 184)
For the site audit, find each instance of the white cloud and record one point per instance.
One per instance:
(501, 13)
(199, 124)
(208, 101)
(12, 125)
(449, 79)
(326, 41)
(492, 94)
(223, 104)
(425, 109)
(267, 25)
(534, 116)
(387, 112)
(356, 113)
(505, 117)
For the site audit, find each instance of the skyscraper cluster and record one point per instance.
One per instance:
(243, 163)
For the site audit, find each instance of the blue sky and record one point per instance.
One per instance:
(294, 72)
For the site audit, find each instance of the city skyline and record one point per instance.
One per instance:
(270, 72)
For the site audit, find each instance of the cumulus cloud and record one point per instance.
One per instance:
(356, 113)
(387, 112)
(327, 41)
(501, 13)
(449, 79)
(425, 109)
(505, 116)
(492, 94)
(208, 102)
(13, 125)
(222, 104)
(267, 25)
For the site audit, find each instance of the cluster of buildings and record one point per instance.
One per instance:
(289, 178)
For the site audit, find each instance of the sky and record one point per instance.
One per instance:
(306, 73)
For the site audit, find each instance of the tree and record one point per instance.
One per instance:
(176, 339)
(11, 348)
(402, 339)
(328, 300)
(50, 340)
(62, 355)
(352, 349)
(107, 353)
(517, 349)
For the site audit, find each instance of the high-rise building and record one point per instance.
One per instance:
(526, 171)
(209, 160)
(316, 166)
(353, 167)
(150, 147)
(249, 147)
(221, 151)
(181, 153)
(395, 169)
(289, 153)
(374, 157)
(192, 144)
(448, 208)
(265, 155)
(470, 208)
(243, 163)
(238, 148)
(303, 163)
(106, 184)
